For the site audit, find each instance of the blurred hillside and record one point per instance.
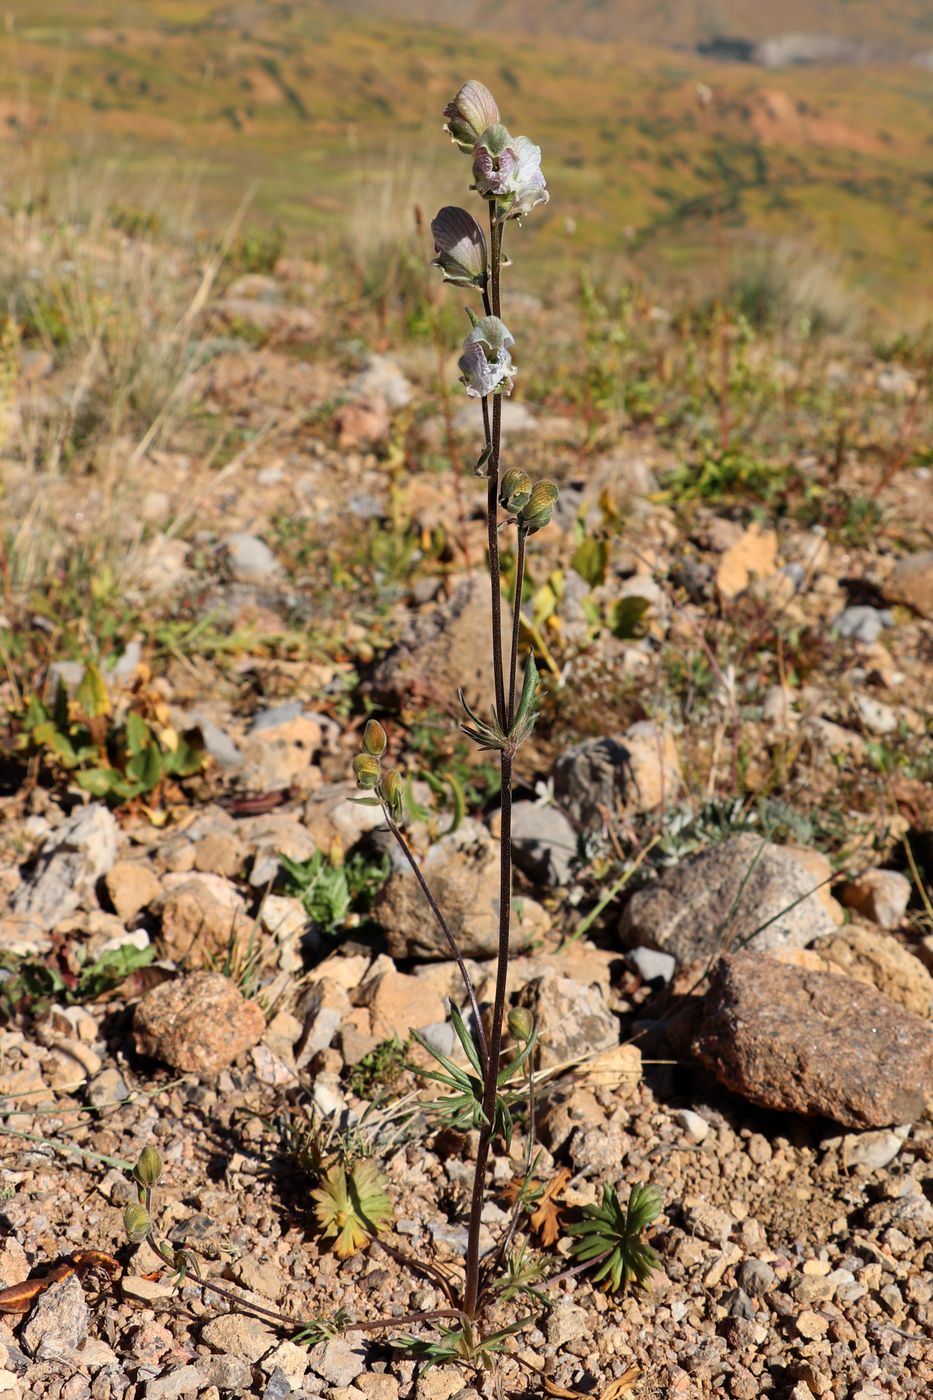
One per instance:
(326, 116)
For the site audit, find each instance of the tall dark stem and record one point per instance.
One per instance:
(445, 929)
(490, 1084)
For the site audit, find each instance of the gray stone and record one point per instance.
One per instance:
(696, 1128)
(58, 1321)
(603, 778)
(573, 1020)
(184, 1380)
(651, 964)
(72, 859)
(861, 623)
(756, 1277)
(739, 893)
(462, 872)
(250, 558)
(278, 714)
(381, 376)
(278, 1386)
(566, 1322)
(217, 742)
(877, 717)
(544, 844)
(338, 1361)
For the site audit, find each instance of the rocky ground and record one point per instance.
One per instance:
(724, 831)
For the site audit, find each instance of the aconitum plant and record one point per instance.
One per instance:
(508, 180)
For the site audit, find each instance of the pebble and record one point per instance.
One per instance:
(871, 1150)
(239, 1335)
(880, 895)
(250, 558)
(58, 1321)
(184, 1380)
(877, 717)
(544, 844)
(756, 1276)
(71, 861)
(651, 964)
(693, 1125)
(200, 1022)
(338, 1361)
(861, 623)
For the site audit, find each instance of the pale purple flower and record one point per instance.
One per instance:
(471, 112)
(486, 365)
(460, 247)
(508, 170)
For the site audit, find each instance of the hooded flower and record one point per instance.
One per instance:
(460, 247)
(486, 365)
(471, 112)
(508, 170)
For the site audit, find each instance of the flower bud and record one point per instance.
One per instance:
(537, 513)
(136, 1222)
(374, 739)
(471, 112)
(148, 1168)
(514, 490)
(366, 770)
(521, 1023)
(460, 246)
(391, 789)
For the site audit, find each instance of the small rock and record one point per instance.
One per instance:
(217, 741)
(376, 1386)
(323, 1007)
(289, 1360)
(71, 861)
(606, 778)
(462, 871)
(796, 1041)
(877, 717)
(566, 1322)
(652, 965)
(200, 914)
(58, 1321)
(544, 844)
(250, 558)
(132, 887)
(338, 1361)
(382, 378)
(226, 1372)
(686, 912)
(573, 1020)
(872, 1150)
(278, 1386)
(399, 1003)
(707, 1222)
(861, 623)
(756, 1277)
(260, 1276)
(144, 1290)
(880, 895)
(912, 583)
(696, 1128)
(235, 1334)
(219, 853)
(184, 1380)
(200, 1022)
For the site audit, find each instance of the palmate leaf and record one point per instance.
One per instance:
(611, 1234)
